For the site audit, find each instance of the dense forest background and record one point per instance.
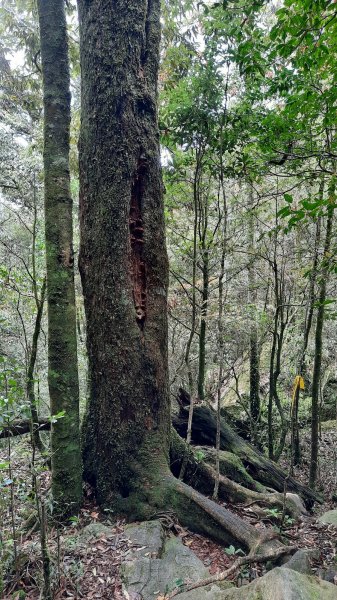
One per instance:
(247, 119)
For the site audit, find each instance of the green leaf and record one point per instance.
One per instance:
(284, 212)
(55, 418)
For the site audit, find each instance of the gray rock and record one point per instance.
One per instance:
(278, 584)
(282, 584)
(328, 574)
(329, 517)
(159, 565)
(146, 539)
(155, 566)
(301, 561)
(296, 500)
(211, 592)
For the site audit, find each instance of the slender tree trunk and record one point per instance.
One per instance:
(254, 357)
(273, 350)
(62, 346)
(31, 368)
(196, 182)
(203, 326)
(203, 230)
(221, 340)
(39, 303)
(271, 388)
(296, 449)
(277, 373)
(319, 343)
(191, 385)
(280, 323)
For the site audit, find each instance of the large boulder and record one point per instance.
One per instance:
(157, 564)
(301, 560)
(279, 584)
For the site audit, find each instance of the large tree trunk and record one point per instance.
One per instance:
(123, 259)
(62, 345)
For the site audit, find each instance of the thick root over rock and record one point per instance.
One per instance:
(205, 516)
(262, 469)
(201, 476)
(169, 495)
(154, 491)
(231, 466)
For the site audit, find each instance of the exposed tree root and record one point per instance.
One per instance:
(202, 476)
(153, 489)
(231, 466)
(205, 516)
(243, 560)
(260, 468)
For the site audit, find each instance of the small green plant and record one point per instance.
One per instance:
(199, 455)
(288, 521)
(284, 520)
(232, 551)
(274, 513)
(74, 520)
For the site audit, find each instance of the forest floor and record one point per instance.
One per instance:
(94, 572)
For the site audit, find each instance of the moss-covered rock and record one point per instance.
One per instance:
(282, 584)
(278, 584)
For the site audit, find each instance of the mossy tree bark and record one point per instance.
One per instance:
(123, 260)
(201, 475)
(62, 344)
